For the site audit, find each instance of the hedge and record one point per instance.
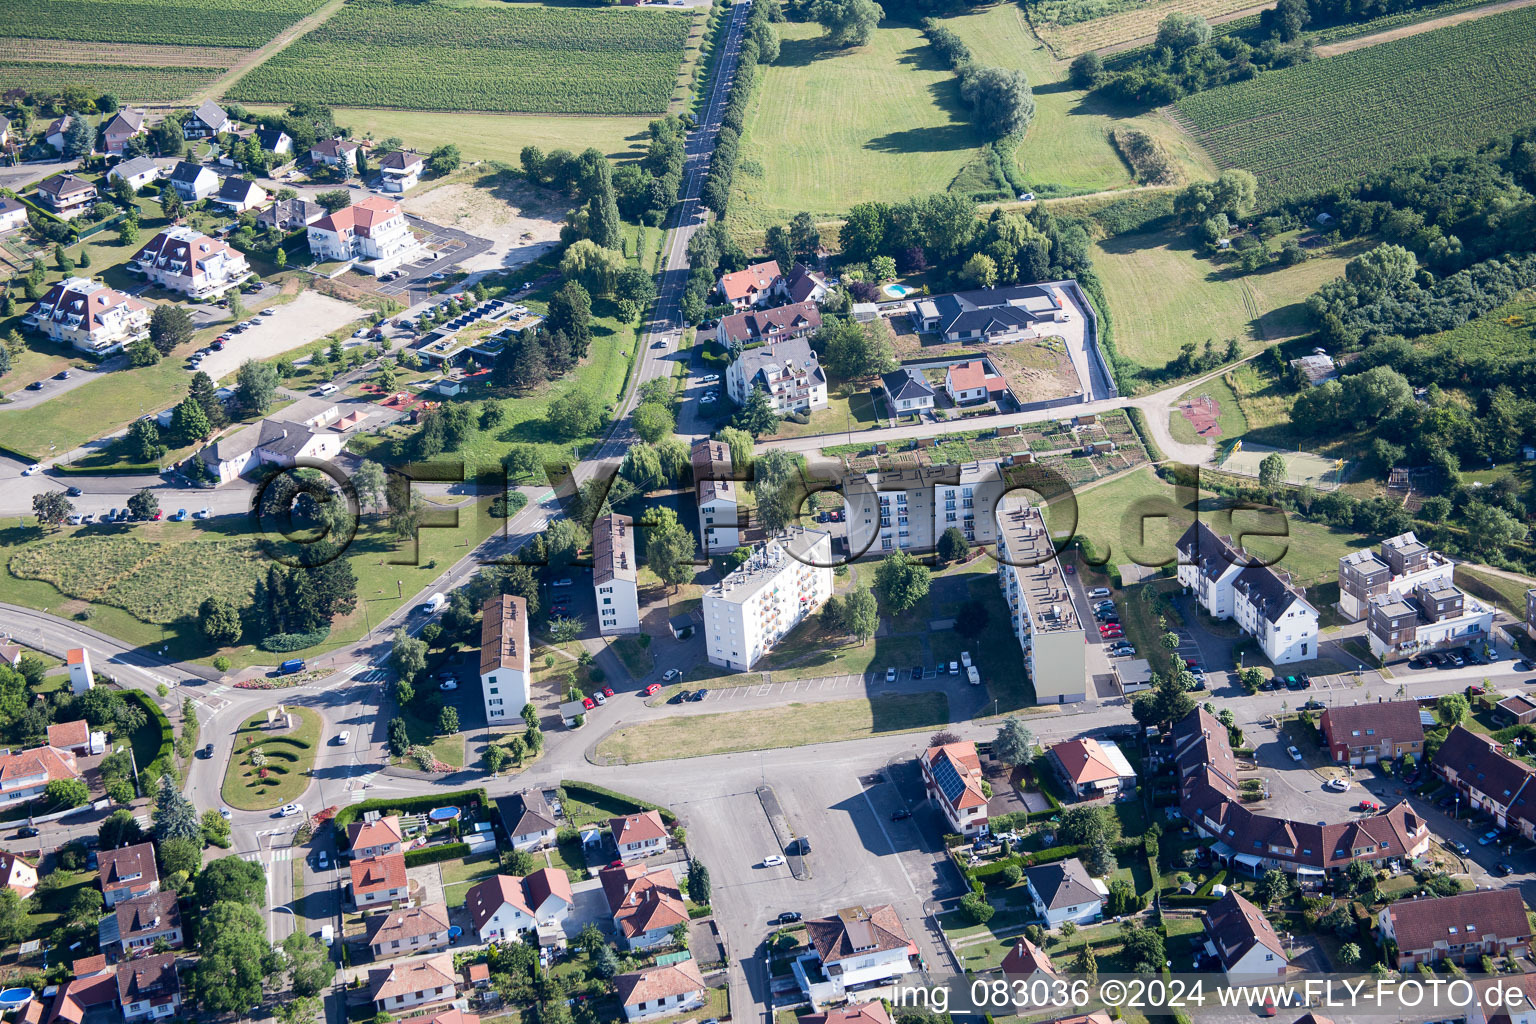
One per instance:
(1025, 861)
(433, 854)
(283, 643)
(408, 804)
(163, 755)
(611, 801)
(1139, 422)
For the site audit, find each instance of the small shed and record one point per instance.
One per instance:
(1518, 709)
(570, 711)
(681, 626)
(1134, 675)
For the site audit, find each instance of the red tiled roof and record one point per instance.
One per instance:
(363, 835)
(637, 828)
(489, 896)
(378, 874)
(872, 1012)
(1466, 917)
(69, 734)
(643, 900)
(361, 217)
(117, 867)
(659, 982)
(855, 931)
(1026, 958)
(1085, 761)
(415, 976)
(743, 283)
(547, 882)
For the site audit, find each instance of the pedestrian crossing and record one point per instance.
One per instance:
(272, 856)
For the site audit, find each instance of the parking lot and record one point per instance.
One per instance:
(309, 316)
(449, 246)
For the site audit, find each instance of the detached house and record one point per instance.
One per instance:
(1463, 928)
(1026, 960)
(74, 737)
(13, 213)
(137, 172)
(639, 835)
(379, 880)
(408, 985)
(503, 906)
(126, 124)
(186, 261)
(401, 170)
(1019, 312)
(149, 989)
(661, 991)
(1064, 891)
(788, 370)
(238, 195)
(407, 931)
(375, 836)
(952, 779)
(1368, 733)
(1092, 768)
(274, 141)
(142, 922)
(335, 153)
(26, 774)
(974, 381)
(529, 820)
(17, 874)
(1242, 939)
(127, 873)
(646, 904)
(753, 286)
(57, 129)
(906, 391)
(856, 946)
(208, 120)
(290, 214)
(193, 182)
(803, 285)
(66, 195)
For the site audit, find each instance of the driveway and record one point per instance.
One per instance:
(308, 317)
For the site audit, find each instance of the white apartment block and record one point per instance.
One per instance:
(909, 509)
(613, 575)
(1043, 616)
(1260, 599)
(713, 472)
(504, 668)
(373, 232)
(784, 582)
(1435, 614)
(787, 370)
(180, 259)
(90, 316)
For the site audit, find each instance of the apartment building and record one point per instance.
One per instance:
(373, 232)
(1043, 616)
(1434, 614)
(714, 483)
(1530, 613)
(787, 370)
(784, 582)
(613, 575)
(90, 316)
(768, 326)
(1393, 570)
(1262, 600)
(952, 779)
(504, 675)
(182, 260)
(908, 509)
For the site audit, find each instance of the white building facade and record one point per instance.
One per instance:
(504, 671)
(90, 316)
(784, 582)
(614, 577)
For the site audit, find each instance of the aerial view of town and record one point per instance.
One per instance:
(768, 511)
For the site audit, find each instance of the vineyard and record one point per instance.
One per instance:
(1070, 27)
(429, 57)
(1315, 125)
(131, 83)
(239, 23)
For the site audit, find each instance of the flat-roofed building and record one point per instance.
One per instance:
(782, 584)
(1042, 613)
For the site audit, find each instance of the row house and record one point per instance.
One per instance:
(1490, 780)
(1369, 733)
(1462, 928)
(182, 260)
(1434, 614)
(1261, 600)
(1398, 565)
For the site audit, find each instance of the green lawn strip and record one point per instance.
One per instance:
(844, 412)
(469, 869)
(637, 658)
(423, 733)
(297, 865)
(569, 860)
(1508, 594)
(791, 726)
(48, 907)
(290, 756)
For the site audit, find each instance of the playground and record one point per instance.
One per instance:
(1302, 469)
(1202, 412)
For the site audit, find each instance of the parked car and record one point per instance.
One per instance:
(1368, 805)
(890, 674)
(901, 815)
(207, 750)
(588, 703)
(1338, 784)
(654, 688)
(74, 492)
(697, 695)
(954, 668)
(32, 470)
(1501, 869)
(1295, 754)
(1313, 705)
(789, 917)
(598, 696)
(669, 675)
(269, 311)
(61, 375)
(1459, 847)
(448, 684)
(772, 861)
(27, 832)
(1488, 839)
(1099, 592)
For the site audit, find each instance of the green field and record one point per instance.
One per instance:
(1161, 296)
(242, 23)
(1074, 26)
(1229, 415)
(829, 128)
(127, 81)
(514, 58)
(290, 755)
(1067, 148)
(1314, 125)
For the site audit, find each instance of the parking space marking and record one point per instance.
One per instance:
(765, 689)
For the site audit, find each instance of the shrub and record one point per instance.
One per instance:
(433, 854)
(284, 643)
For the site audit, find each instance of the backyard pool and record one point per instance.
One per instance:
(897, 291)
(442, 813)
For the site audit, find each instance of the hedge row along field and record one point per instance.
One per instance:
(1308, 127)
(129, 83)
(242, 23)
(530, 60)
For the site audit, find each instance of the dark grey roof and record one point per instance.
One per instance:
(211, 114)
(1015, 306)
(8, 204)
(906, 384)
(794, 352)
(284, 438)
(187, 171)
(399, 160)
(526, 813)
(63, 185)
(1065, 883)
(1269, 591)
(802, 281)
(271, 138)
(758, 324)
(237, 189)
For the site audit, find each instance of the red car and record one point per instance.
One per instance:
(1369, 805)
(588, 703)
(156, 517)
(652, 690)
(1190, 662)
(1109, 627)
(1113, 634)
(607, 691)
(1071, 569)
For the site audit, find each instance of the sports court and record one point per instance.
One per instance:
(1301, 468)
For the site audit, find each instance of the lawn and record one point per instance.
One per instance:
(1508, 594)
(844, 412)
(459, 876)
(423, 733)
(901, 131)
(1230, 421)
(810, 652)
(49, 908)
(791, 726)
(290, 756)
(636, 656)
(1161, 296)
(1067, 148)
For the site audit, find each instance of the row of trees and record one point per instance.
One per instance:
(1000, 98)
(760, 45)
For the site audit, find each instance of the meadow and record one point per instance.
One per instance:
(529, 59)
(1308, 127)
(239, 23)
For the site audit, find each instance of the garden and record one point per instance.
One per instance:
(270, 765)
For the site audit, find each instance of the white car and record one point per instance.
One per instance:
(269, 311)
(202, 513)
(447, 684)
(34, 468)
(1295, 754)
(710, 378)
(954, 668)
(772, 861)
(707, 399)
(289, 810)
(1338, 785)
(597, 695)
(1099, 592)
(225, 814)
(671, 674)
(890, 674)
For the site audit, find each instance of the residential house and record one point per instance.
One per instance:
(1393, 570)
(13, 213)
(373, 232)
(1260, 599)
(788, 371)
(5, 132)
(504, 647)
(93, 987)
(1063, 891)
(56, 131)
(1044, 619)
(1489, 779)
(193, 182)
(645, 902)
(907, 391)
(274, 141)
(238, 195)
(183, 260)
(1368, 733)
(17, 874)
(379, 881)
(974, 381)
(615, 575)
(401, 170)
(90, 316)
(529, 820)
(146, 920)
(125, 124)
(783, 583)
(802, 285)
(375, 836)
(715, 485)
(1518, 710)
(66, 195)
(498, 908)
(1502, 1000)
(275, 442)
(753, 286)
(74, 737)
(405, 986)
(1092, 768)
(872, 1012)
(290, 215)
(208, 120)
(1241, 938)
(26, 774)
(137, 172)
(1026, 960)
(335, 153)
(639, 835)
(148, 989)
(854, 947)
(454, 1016)
(407, 931)
(81, 678)
(1462, 928)
(10, 654)
(661, 991)
(952, 779)
(1434, 614)
(1012, 313)
(767, 326)
(548, 894)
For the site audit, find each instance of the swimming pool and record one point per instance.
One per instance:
(897, 291)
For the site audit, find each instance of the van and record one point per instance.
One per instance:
(328, 935)
(326, 389)
(973, 675)
(291, 666)
(434, 604)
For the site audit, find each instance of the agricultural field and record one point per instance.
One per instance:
(1307, 127)
(1071, 27)
(1162, 295)
(199, 23)
(528, 59)
(1067, 148)
(131, 83)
